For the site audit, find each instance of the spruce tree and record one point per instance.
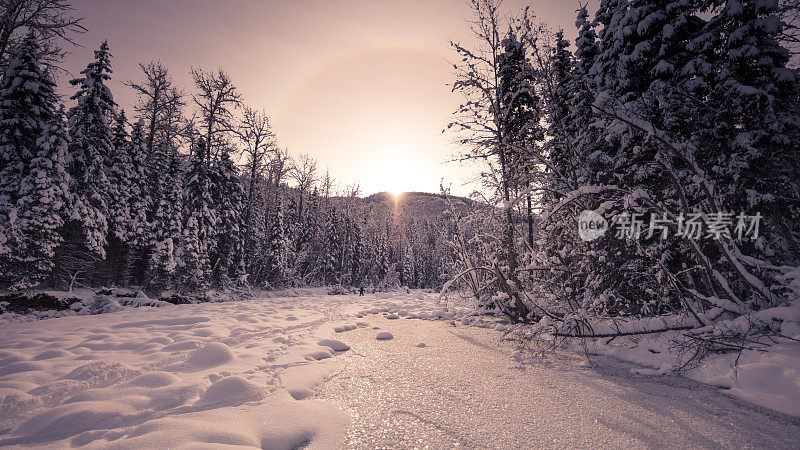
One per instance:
(560, 149)
(279, 247)
(120, 171)
(140, 199)
(166, 225)
(310, 238)
(520, 109)
(227, 258)
(33, 182)
(28, 101)
(356, 252)
(194, 259)
(333, 246)
(91, 150)
(408, 267)
(752, 120)
(43, 198)
(201, 219)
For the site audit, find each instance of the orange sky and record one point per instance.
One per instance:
(359, 85)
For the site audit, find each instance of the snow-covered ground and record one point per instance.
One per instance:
(253, 373)
(767, 376)
(236, 373)
(470, 387)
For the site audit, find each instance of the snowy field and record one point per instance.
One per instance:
(310, 370)
(237, 373)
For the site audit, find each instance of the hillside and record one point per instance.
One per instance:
(420, 205)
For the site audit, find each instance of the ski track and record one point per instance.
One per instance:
(322, 371)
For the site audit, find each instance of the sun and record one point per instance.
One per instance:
(395, 172)
(398, 185)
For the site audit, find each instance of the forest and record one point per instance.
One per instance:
(190, 191)
(675, 126)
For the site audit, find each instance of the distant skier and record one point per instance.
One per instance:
(361, 291)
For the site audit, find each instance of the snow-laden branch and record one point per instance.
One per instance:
(575, 194)
(646, 325)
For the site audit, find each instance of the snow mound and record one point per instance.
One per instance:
(384, 335)
(50, 354)
(188, 433)
(153, 380)
(175, 395)
(334, 344)
(319, 353)
(73, 418)
(20, 366)
(182, 346)
(13, 401)
(345, 327)
(212, 355)
(102, 373)
(231, 391)
(7, 357)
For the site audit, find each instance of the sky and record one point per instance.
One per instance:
(361, 86)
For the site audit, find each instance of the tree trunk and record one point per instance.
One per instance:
(520, 313)
(509, 231)
(530, 222)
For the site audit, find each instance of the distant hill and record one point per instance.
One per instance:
(416, 204)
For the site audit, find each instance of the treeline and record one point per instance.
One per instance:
(667, 112)
(91, 198)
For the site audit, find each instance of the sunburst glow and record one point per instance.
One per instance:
(396, 172)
